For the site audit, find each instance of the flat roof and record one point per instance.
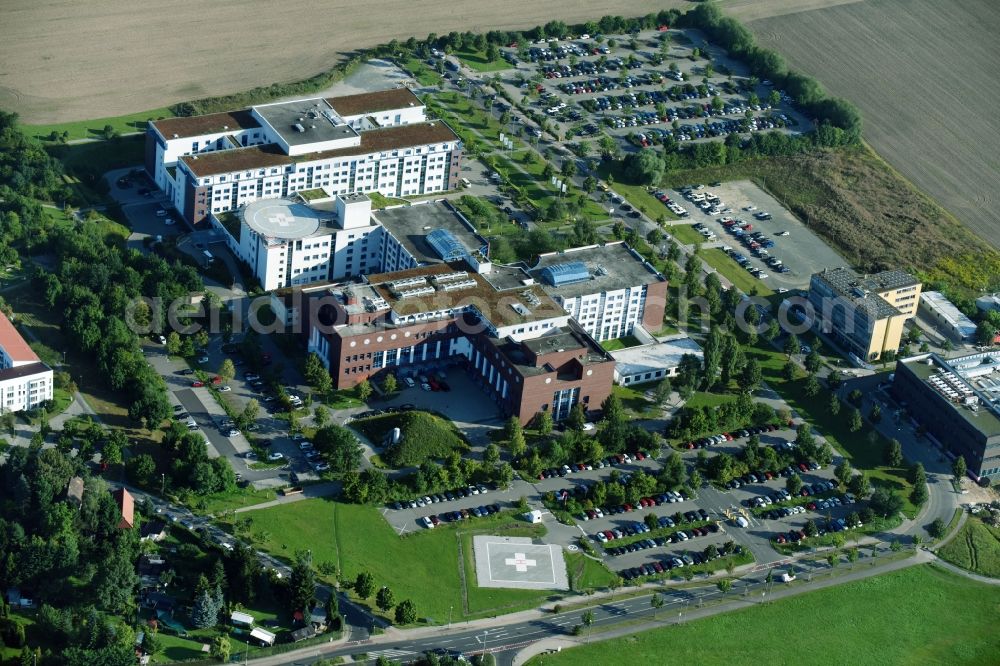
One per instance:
(286, 219)
(308, 114)
(937, 302)
(213, 123)
(237, 159)
(373, 141)
(410, 225)
(390, 138)
(984, 419)
(373, 102)
(13, 343)
(612, 266)
(531, 303)
(859, 291)
(19, 371)
(660, 356)
(564, 338)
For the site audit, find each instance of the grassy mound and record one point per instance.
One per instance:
(424, 437)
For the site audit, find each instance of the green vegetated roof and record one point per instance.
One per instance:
(425, 437)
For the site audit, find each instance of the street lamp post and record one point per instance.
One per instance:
(486, 633)
(163, 483)
(450, 608)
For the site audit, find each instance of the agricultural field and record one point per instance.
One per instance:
(924, 75)
(59, 67)
(919, 615)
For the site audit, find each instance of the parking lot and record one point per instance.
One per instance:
(655, 92)
(733, 223)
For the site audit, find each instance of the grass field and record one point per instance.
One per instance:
(620, 343)
(94, 129)
(477, 60)
(422, 566)
(976, 547)
(899, 60)
(425, 75)
(685, 234)
(919, 615)
(735, 273)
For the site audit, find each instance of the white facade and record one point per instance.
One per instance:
(608, 315)
(936, 307)
(25, 382)
(275, 150)
(650, 363)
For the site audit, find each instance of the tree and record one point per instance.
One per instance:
(227, 370)
(656, 601)
(249, 414)
(364, 585)
(661, 392)
(543, 421)
(491, 455)
(875, 415)
(340, 447)
(813, 362)
(792, 345)
(834, 406)
(854, 422)
(141, 468)
(204, 613)
(111, 452)
(885, 502)
(724, 585)
(917, 474)
(843, 472)
(811, 387)
(364, 389)
(577, 418)
(173, 343)
(893, 453)
(643, 168)
(937, 528)
(221, 648)
(959, 468)
(811, 529)
(860, 485)
(919, 494)
(389, 384)
(751, 376)
(406, 612)
(302, 583)
(855, 396)
(316, 374)
(385, 599)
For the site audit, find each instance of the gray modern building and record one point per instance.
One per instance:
(958, 401)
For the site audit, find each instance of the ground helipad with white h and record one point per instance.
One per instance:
(517, 562)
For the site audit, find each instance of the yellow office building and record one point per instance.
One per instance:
(864, 313)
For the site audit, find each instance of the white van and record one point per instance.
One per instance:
(742, 522)
(465, 182)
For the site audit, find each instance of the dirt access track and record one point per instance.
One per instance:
(64, 60)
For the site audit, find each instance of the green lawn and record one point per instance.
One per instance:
(477, 60)
(634, 398)
(976, 547)
(221, 502)
(733, 272)
(637, 195)
(853, 445)
(685, 234)
(587, 574)
(621, 343)
(919, 615)
(425, 75)
(704, 399)
(94, 129)
(422, 566)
